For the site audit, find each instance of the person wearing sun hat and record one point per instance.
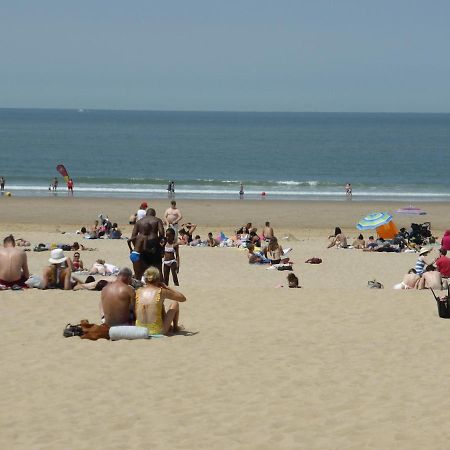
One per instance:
(421, 262)
(57, 275)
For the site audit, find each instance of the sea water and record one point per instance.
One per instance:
(209, 154)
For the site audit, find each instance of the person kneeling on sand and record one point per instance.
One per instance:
(13, 265)
(117, 300)
(57, 275)
(149, 309)
(431, 278)
(410, 280)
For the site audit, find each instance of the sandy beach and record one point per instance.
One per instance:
(331, 365)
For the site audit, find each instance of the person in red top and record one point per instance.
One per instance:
(70, 185)
(445, 243)
(443, 263)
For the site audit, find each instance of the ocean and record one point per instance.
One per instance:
(133, 154)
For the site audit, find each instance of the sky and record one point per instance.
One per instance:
(299, 55)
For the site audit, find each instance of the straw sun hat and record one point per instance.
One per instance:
(57, 256)
(424, 250)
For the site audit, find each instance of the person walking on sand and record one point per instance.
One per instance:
(2, 184)
(145, 243)
(117, 300)
(13, 264)
(172, 216)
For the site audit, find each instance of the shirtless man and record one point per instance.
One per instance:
(172, 216)
(146, 240)
(267, 232)
(13, 264)
(117, 300)
(431, 278)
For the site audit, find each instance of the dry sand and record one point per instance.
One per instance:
(331, 365)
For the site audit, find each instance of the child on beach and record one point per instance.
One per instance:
(171, 261)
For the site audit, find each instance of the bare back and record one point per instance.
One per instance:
(117, 302)
(13, 264)
(150, 227)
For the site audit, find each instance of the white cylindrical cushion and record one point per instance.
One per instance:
(127, 332)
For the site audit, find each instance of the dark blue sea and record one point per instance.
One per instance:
(208, 154)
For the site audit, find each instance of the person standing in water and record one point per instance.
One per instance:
(348, 190)
(70, 186)
(241, 192)
(2, 184)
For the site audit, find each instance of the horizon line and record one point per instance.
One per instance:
(82, 110)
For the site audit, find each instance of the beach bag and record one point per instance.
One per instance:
(374, 284)
(443, 305)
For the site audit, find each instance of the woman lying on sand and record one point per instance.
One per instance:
(149, 310)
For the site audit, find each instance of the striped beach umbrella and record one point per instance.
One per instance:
(373, 221)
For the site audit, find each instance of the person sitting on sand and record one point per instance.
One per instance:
(149, 310)
(338, 239)
(274, 252)
(114, 232)
(171, 261)
(13, 265)
(421, 262)
(371, 244)
(77, 263)
(57, 275)
(359, 243)
(431, 278)
(443, 263)
(293, 281)
(256, 257)
(211, 241)
(118, 300)
(410, 280)
(254, 238)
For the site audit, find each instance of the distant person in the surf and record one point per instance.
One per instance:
(241, 192)
(348, 190)
(2, 183)
(70, 186)
(55, 184)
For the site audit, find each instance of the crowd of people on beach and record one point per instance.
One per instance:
(137, 297)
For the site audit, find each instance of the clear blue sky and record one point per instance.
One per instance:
(314, 55)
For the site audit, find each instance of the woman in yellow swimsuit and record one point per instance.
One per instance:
(149, 310)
